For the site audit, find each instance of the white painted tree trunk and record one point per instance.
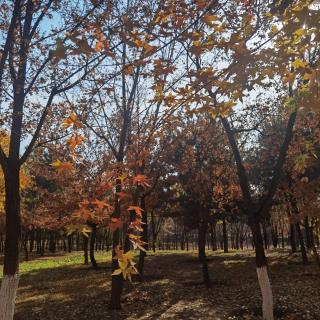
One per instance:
(8, 292)
(266, 291)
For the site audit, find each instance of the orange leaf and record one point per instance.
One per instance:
(101, 204)
(72, 120)
(137, 210)
(115, 224)
(141, 180)
(61, 165)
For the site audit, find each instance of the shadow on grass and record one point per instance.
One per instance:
(172, 289)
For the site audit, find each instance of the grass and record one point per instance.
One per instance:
(60, 287)
(58, 260)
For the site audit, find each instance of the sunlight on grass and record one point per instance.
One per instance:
(52, 262)
(234, 262)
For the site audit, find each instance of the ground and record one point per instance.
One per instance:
(61, 287)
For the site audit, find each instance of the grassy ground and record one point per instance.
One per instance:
(61, 288)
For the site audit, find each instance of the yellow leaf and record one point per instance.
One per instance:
(299, 64)
(290, 51)
(85, 231)
(300, 32)
(61, 165)
(116, 272)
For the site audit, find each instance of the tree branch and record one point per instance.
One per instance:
(35, 136)
(277, 171)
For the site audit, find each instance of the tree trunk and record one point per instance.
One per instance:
(52, 242)
(225, 236)
(262, 271)
(313, 246)
(144, 238)
(265, 236)
(69, 243)
(92, 243)
(9, 283)
(308, 233)
(202, 254)
(302, 246)
(293, 242)
(25, 246)
(274, 235)
(85, 249)
(153, 232)
(116, 280)
(213, 236)
(31, 240)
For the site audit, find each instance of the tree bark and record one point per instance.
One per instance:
(116, 280)
(52, 242)
(144, 238)
(293, 242)
(154, 237)
(25, 246)
(92, 244)
(308, 233)
(69, 243)
(262, 271)
(202, 254)
(302, 245)
(10, 280)
(225, 236)
(85, 249)
(213, 236)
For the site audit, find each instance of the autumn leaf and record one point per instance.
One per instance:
(115, 224)
(201, 4)
(137, 242)
(100, 204)
(137, 225)
(299, 64)
(116, 272)
(149, 50)
(123, 195)
(59, 165)
(289, 78)
(72, 120)
(128, 69)
(126, 264)
(103, 188)
(60, 51)
(100, 40)
(209, 19)
(197, 48)
(75, 141)
(137, 210)
(141, 180)
(85, 231)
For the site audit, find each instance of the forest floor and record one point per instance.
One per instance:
(61, 287)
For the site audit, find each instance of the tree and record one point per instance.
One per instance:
(225, 85)
(28, 69)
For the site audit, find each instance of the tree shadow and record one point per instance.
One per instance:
(172, 289)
